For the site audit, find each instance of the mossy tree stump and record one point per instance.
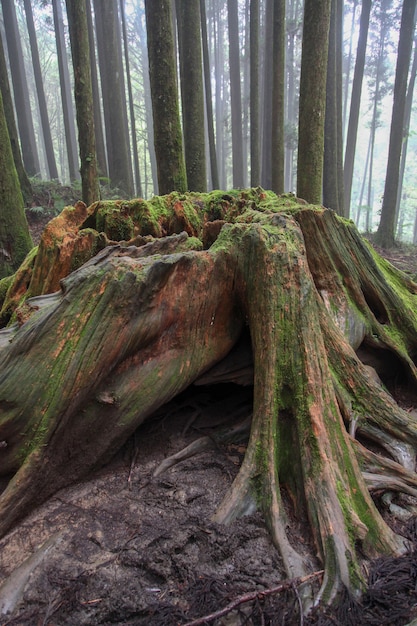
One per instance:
(154, 294)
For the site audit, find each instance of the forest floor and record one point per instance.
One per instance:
(125, 548)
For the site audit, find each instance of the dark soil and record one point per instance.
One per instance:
(125, 548)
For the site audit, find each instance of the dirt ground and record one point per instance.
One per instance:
(125, 548)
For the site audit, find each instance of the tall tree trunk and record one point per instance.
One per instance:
(293, 28)
(165, 105)
(192, 93)
(339, 108)
(245, 64)
(78, 29)
(385, 233)
(209, 98)
(15, 240)
(113, 91)
(362, 191)
(235, 93)
(64, 81)
(278, 98)
(313, 99)
(375, 120)
(98, 124)
(255, 168)
(140, 30)
(355, 102)
(24, 181)
(266, 171)
(349, 61)
(20, 89)
(407, 118)
(46, 130)
(138, 186)
(333, 136)
(219, 63)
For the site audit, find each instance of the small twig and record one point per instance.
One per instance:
(251, 596)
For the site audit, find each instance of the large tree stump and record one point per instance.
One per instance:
(333, 331)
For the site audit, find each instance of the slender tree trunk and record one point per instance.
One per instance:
(20, 89)
(362, 191)
(339, 108)
(209, 98)
(385, 234)
(114, 98)
(355, 102)
(235, 93)
(255, 169)
(166, 118)
(46, 130)
(333, 137)
(293, 28)
(147, 104)
(330, 192)
(245, 62)
(349, 62)
(278, 98)
(24, 181)
(219, 62)
(192, 93)
(77, 21)
(407, 118)
(98, 123)
(266, 169)
(313, 99)
(370, 188)
(15, 240)
(64, 80)
(138, 186)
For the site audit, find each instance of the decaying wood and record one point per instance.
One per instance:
(278, 294)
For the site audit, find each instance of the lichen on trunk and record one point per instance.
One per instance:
(145, 317)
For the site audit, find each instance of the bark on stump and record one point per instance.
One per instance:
(148, 309)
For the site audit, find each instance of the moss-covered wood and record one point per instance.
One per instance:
(161, 293)
(15, 240)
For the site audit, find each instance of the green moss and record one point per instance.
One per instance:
(192, 243)
(150, 216)
(18, 280)
(356, 501)
(83, 253)
(4, 286)
(116, 225)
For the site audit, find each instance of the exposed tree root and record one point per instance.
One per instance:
(229, 435)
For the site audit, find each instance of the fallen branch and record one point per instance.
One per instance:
(252, 596)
